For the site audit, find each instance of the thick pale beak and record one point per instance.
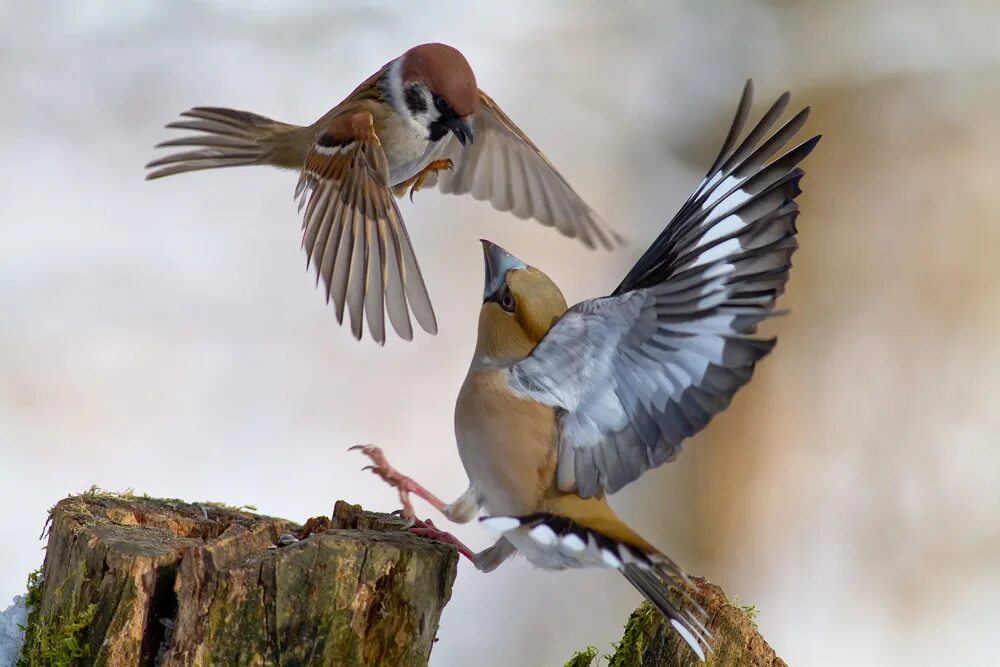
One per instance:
(498, 263)
(462, 129)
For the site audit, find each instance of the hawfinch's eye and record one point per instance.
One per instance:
(507, 302)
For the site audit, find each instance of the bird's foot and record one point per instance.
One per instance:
(428, 530)
(417, 182)
(405, 485)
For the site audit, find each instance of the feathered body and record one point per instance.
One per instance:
(561, 406)
(509, 444)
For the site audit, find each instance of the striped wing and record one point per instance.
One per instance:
(504, 167)
(354, 234)
(636, 373)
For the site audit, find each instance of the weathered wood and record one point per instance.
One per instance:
(650, 642)
(165, 582)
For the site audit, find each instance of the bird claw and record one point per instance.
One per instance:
(380, 466)
(425, 173)
(428, 530)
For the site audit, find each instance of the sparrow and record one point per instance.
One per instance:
(562, 406)
(420, 120)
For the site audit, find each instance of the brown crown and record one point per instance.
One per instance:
(446, 72)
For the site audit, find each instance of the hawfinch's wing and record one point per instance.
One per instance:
(635, 373)
(504, 167)
(353, 232)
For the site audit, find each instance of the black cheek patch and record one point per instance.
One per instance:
(415, 101)
(438, 130)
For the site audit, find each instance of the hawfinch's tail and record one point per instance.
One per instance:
(652, 573)
(230, 138)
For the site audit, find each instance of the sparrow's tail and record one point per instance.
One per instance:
(230, 138)
(567, 543)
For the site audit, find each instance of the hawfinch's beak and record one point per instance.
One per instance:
(462, 129)
(498, 262)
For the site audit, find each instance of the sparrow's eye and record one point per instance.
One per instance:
(442, 105)
(507, 301)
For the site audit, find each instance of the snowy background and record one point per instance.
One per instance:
(166, 337)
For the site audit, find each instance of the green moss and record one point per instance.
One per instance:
(630, 649)
(750, 610)
(54, 640)
(583, 658)
(33, 598)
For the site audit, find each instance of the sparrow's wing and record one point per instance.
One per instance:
(635, 373)
(504, 167)
(353, 232)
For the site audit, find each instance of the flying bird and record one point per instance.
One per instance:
(563, 406)
(419, 120)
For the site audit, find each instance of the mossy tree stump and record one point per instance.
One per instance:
(649, 641)
(140, 581)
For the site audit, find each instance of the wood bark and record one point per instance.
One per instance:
(649, 641)
(171, 583)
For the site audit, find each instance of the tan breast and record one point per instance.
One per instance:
(508, 445)
(405, 143)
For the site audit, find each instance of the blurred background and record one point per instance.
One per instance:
(166, 337)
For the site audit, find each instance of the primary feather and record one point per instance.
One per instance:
(636, 373)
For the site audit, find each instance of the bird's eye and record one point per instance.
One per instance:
(441, 104)
(507, 301)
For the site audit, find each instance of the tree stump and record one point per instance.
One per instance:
(141, 581)
(649, 641)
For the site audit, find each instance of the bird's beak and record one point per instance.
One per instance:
(462, 129)
(498, 262)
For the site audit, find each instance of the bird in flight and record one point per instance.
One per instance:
(563, 406)
(420, 120)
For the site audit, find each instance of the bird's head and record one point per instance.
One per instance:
(520, 304)
(434, 85)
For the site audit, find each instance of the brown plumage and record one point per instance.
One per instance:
(413, 120)
(446, 71)
(510, 442)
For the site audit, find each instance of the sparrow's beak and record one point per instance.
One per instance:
(462, 129)
(498, 263)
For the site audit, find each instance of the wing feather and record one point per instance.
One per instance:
(634, 374)
(504, 167)
(354, 235)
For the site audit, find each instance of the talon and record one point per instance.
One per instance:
(432, 167)
(427, 530)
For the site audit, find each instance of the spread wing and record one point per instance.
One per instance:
(634, 374)
(353, 232)
(504, 167)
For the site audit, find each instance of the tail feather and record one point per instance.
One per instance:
(228, 138)
(689, 620)
(652, 573)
